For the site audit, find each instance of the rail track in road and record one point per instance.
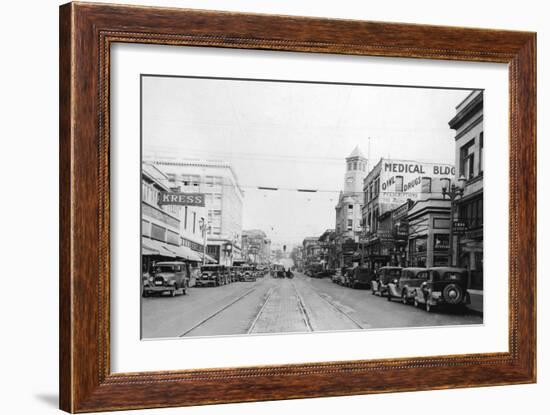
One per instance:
(218, 311)
(340, 310)
(302, 307)
(258, 315)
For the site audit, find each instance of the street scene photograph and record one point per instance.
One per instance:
(275, 206)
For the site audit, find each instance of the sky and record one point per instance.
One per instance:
(292, 136)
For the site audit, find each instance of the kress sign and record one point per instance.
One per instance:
(181, 199)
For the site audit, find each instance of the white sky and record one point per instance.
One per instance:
(295, 135)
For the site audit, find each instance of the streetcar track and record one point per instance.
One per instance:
(302, 308)
(211, 316)
(337, 308)
(251, 328)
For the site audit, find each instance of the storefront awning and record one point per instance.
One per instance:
(186, 253)
(210, 260)
(152, 247)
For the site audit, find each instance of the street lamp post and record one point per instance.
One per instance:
(455, 193)
(203, 227)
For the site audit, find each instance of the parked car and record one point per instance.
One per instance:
(360, 277)
(444, 286)
(214, 275)
(337, 276)
(313, 269)
(168, 277)
(322, 273)
(247, 274)
(234, 273)
(406, 285)
(379, 284)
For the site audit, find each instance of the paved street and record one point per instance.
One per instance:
(270, 305)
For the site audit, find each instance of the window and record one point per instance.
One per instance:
(354, 165)
(350, 224)
(471, 212)
(173, 238)
(398, 183)
(185, 219)
(145, 228)
(158, 232)
(441, 223)
(426, 185)
(467, 160)
(376, 186)
(481, 153)
(350, 207)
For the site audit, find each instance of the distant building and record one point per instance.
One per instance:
(256, 246)
(348, 210)
(468, 123)
(223, 196)
(327, 250)
(311, 250)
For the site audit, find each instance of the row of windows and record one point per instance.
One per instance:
(471, 212)
(357, 165)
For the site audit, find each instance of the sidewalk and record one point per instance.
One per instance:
(476, 301)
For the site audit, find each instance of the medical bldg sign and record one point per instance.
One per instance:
(181, 199)
(401, 180)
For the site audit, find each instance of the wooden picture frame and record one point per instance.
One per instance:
(86, 33)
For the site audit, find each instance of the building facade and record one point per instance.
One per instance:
(223, 200)
(311, 252)
(256, 247)
(390, 184)
(349, 208)
(428, 233)
(164, 234)
(468, 245)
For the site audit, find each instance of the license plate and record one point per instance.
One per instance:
(158, 282)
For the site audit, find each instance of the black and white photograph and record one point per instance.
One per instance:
(274, 206)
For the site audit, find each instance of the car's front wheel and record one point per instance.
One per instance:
(404, 299)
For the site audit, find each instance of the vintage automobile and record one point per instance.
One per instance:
(168, 277)
(379, 284)
(406, 285)
(234, 273)
(311, 269)
(359, 277)
(214, 275)
(247, 274)
(337, 276)
(444, 286)
(322, 273)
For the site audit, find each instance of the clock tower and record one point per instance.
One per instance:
(356, 170)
